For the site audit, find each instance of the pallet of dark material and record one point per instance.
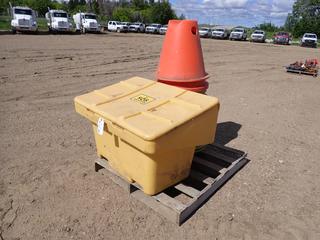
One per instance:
(211, 168)
(313, 73)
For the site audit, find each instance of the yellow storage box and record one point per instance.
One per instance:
(148, 131)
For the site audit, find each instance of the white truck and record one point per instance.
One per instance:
(258, 36)
(163, 29)
(86, 22)
(309, 39)
(220, 33)
(153, 28)
(137, 27)
(238, 34)
(116, 26)
(23, 19)
(58, 21)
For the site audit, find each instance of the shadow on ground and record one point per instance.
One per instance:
(226, 132)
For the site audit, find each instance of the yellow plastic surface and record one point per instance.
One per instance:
(151, 129)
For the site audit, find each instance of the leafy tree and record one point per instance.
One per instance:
(122, 14)
(162, 13)
(146, 15)
(268, 27)
(95, 7)
(139, 4)
(305, 17)
(4, 4)
(41, 6)
(71, 4)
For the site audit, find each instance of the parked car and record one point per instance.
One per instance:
(153, 28)
(163, 29)
(115, 26)
(309, 39)
(258, 36)
(238, 34)
(205, 32)
(137, 27)
(282, 38)
(220, 33)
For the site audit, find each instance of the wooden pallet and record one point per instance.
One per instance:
(211, 168)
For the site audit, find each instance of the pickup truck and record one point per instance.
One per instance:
(153, 28)
(205, 32)
(137, 27)
(163, 29)
(258, 36)
(238, 34)
(220, 33)
(309, 39)
(282, 38)
(115, 26)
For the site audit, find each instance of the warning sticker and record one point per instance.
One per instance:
(100, 126)
(142, 99)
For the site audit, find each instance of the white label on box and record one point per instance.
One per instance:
(100, 126)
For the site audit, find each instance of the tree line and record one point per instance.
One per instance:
(305, 17)
(122, 10)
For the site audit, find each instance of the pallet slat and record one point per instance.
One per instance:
(226, 151)
(208, 164)
(201, 177)
(220, 156)
(190, 191)
(161, 208)
(170, 202)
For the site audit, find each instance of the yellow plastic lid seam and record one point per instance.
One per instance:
(124, 95)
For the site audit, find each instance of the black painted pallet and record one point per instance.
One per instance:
(313, 73)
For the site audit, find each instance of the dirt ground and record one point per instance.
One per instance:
(48, 187)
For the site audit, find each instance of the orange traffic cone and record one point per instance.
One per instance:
(181, 61)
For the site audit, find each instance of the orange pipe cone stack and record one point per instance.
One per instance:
(181, 61)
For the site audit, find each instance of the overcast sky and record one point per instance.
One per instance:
(234, 12)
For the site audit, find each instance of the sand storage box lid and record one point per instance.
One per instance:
(150, 129)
